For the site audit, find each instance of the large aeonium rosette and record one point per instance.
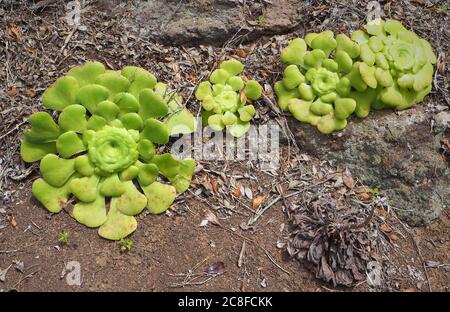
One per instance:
(330, 78)
(103, 146)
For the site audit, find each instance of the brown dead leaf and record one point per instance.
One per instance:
(393, 237)
(214, 186)
(242, 97)
(30, 50)
(257, 201)
(216, 268)
(240, 53)
(348, 179)
(265, 74)
(238, 192)
(212, 218)
(12, 91)
(446, 143)
(366, 196)
(207, 184)
(13, 33)
(382, 213)
(192, 78)
(30, 93)
(12, 220)
(410, 289)
(385, 228)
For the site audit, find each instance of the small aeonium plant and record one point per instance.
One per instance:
(224, 98)
(104, 146)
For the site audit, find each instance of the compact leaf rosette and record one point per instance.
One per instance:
(104, 146)
(384, 66)
(224, 98)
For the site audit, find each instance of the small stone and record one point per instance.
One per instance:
(442, 121)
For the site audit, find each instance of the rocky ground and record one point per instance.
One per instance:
(404, 154)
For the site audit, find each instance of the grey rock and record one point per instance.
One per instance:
(210, 22)
(442, 121)
(395, 151)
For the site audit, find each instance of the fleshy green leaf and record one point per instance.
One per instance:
(52, 198)
(151, 105)
(112, 186)
(85, 189)
(159, 196)
(117, 224)
(90, 95)
(87, 73)
(69, 144)
(32, 152)
(56, 171)
(61, 93)
(155, 131)
(92, 214)
(73, 118)
(43, 128)
(131, 202)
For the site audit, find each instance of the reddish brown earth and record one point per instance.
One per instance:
(175, 243)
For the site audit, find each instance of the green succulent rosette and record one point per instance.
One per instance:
(104, 144)
(224, 98)
(328, 78)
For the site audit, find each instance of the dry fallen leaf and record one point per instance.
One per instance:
(366, 196)
(242, 97)
(213, 182)
(12, 220)
(347, 178)
(257, 201)
(30, 50)
(204, 222)
(385, 228)
(13, 33)
(12, 91)
(393, 237)
(411, 289)
(382, 213)
(241, 53)
(238, 192)
(211, 217)
(30, 93)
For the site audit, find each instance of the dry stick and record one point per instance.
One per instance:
(69, 36)
(241, 254)
(272, 106)
(258, 245)
(16, 127)
(25, 277)
(260, 212)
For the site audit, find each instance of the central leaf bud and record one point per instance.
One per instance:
(325, 81)
(112, 150)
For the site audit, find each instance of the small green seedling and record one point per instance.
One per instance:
(262, 20)
(63, 237)
(125, 244)
(375, 191)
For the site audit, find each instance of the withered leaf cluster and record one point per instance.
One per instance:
(331, 238)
